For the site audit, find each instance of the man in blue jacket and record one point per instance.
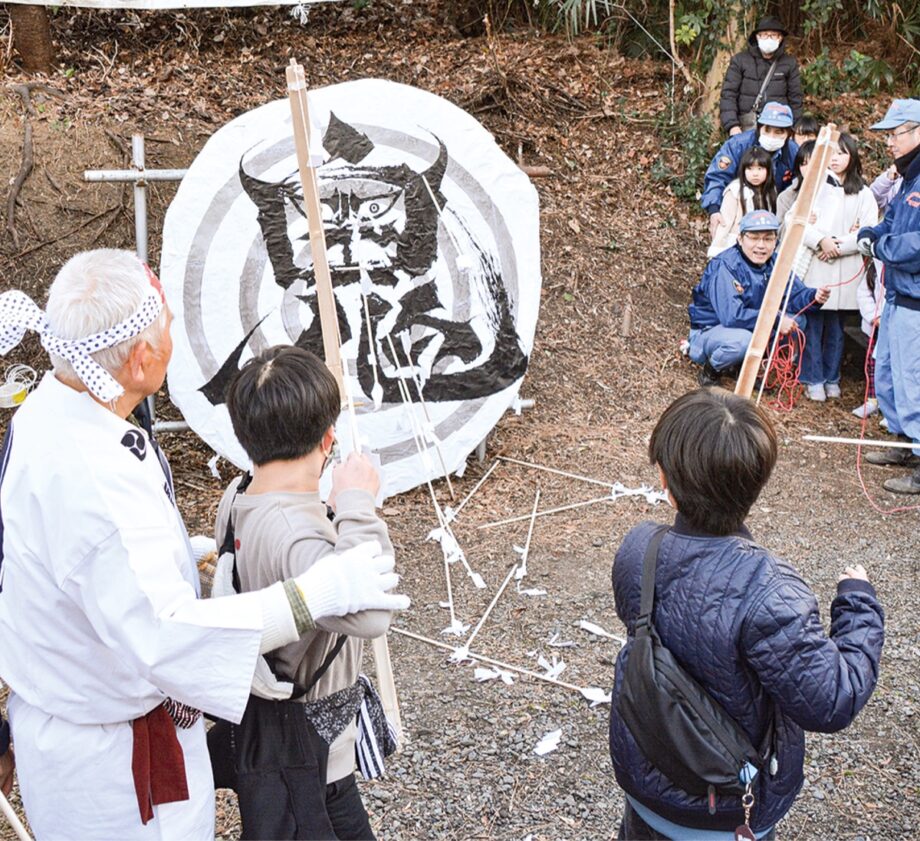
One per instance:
(773, 133)
(896, 242)
(726, 301)
(741, 621)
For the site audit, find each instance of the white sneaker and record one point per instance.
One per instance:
(883, 423)
(832, 390)
(816, 392)
(869, 408)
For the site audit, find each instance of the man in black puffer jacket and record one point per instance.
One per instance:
(742, 622)
(747, 71)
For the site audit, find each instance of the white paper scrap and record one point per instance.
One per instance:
(531, 591)
(596, 695)
(459, 654)
(555, 642)
(598, 631)
(548, 743)
(478, 581)
(212, 466)
(552, 670)
(457, 628)
(482, 675)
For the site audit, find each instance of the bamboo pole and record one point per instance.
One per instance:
(328, 318)
(13, 819)
(329, 323)
(792, 241)
(861, 442)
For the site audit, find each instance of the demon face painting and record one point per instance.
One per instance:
(433, 242)
(388, 230)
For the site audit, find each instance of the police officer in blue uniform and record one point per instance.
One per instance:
(773, 133)
(896, 242)
(727, 300)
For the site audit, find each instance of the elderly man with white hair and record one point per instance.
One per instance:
(106, 647)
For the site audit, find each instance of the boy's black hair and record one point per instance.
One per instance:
(765, 194)
(281, 403)
(716, 451)
(852, 179)
(806, 125)
(802, 157)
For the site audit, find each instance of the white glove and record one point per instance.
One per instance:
(222, 585)
(866, 247)
(350, 582)
(266, 685)
(202, 545)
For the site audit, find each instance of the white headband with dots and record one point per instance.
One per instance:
(18, 313)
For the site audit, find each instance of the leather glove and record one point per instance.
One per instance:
(866, 247)
(350, 582)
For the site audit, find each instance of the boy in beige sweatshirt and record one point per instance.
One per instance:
(283, 405)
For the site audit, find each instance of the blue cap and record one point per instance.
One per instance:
(776, 114)
(759, 220)
(901, 111)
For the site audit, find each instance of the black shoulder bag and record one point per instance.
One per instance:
(677, 725)
(274, 759)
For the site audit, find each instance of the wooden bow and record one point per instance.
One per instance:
(329, 324)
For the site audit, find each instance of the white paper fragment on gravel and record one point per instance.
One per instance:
(482, 675)
(212, 466)
(478, 581)
(598, 631)
(457, 628)
(596, 695)
(459, 654)
(548, 743)
(652, 496)
(555, 642)
(530, 591)
(552, 670)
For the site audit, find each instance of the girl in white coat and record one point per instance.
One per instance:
(843, 205)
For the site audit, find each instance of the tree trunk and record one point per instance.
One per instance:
(32, 37)
(731, 43)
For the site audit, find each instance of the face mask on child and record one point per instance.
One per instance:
(768, 45)
(771, 142)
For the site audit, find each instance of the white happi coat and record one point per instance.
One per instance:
(99, 622)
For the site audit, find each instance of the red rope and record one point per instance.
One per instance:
(862, 429)
(782, 371)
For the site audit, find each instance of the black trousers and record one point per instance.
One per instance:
(346, 811)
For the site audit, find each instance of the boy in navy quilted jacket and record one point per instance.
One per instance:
(741, 621)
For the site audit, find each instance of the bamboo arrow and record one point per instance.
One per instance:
(329, 324)
(792, 241)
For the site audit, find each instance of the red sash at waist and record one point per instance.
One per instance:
(157, 762)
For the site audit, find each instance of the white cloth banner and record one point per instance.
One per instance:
(432, 237)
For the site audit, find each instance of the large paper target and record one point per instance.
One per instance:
(432, 236)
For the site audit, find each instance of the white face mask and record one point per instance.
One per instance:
(768, 45)
(770, 142)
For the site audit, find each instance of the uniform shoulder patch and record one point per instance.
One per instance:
(134, 440)
(738, 287)
(724, 162)
(913, 199)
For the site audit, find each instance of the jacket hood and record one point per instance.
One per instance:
(768, 24)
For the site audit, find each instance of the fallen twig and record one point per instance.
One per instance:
(25, 167)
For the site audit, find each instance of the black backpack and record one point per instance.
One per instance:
(678, 727)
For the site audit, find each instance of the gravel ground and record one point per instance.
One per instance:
(613, 239)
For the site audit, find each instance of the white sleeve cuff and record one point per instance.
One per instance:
(278, 626)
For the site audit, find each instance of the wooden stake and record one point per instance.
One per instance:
(557, 472)
(544, 513)
(492, 604)
(329, 323)
(792, 241)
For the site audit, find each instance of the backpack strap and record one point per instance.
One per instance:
(649, 565)
(229, 544)
(300, 691)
